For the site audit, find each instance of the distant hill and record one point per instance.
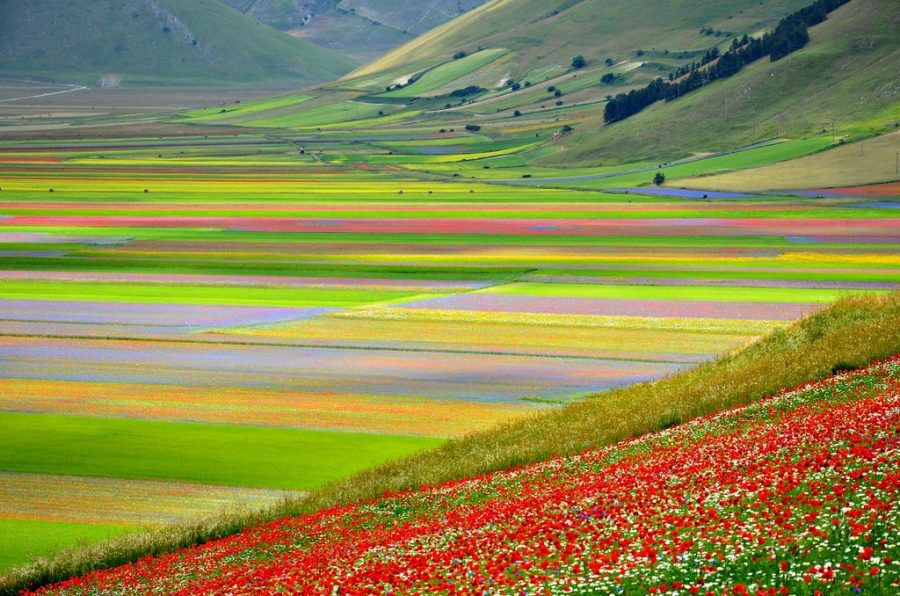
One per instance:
(516, 58)
(153, 42)
(845, 80)
(362, 30)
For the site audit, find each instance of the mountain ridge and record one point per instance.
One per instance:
(159, 42)
(362, 30)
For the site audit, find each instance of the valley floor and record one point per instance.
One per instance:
(189, 314)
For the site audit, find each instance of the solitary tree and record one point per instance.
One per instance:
(579, 61)
(659, 179)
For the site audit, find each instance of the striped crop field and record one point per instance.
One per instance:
(785, 496)
(196, 324)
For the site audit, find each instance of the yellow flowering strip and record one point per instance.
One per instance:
(54, 497)
(388, 414)
(738, 326)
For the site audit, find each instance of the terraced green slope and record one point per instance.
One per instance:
(846, 77)
(541, 34)
(154, 42)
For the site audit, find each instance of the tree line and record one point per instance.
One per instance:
(789, 35)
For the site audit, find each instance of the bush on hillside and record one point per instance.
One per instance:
(467, 91)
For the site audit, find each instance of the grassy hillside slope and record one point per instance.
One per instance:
(847, 75)
(542, 34)
(153, 42)
(515, 81)
(846, 335)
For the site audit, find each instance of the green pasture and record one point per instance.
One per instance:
(446, 73)
(644, 292)
(693, 270)
(519, 167)
(333, 113)
(738, 160)
(250, 108)
(290, 459)
(25, 540)
(187, 294)
(188, 265)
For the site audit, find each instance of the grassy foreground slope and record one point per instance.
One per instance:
(846, 335)
(845, 78)
(162, 42)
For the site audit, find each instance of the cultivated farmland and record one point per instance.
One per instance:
(189, 315)
(221, 307)
(602, 520)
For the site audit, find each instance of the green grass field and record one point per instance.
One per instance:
(325, 115)
(218, 454)
(26, 540)
(447, 73)
(247, 109)
(174, 294)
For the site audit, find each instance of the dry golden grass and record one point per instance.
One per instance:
(847, 335)
(865, 162)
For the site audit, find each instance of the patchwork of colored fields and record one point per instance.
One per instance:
(219, 321)
(794, 494)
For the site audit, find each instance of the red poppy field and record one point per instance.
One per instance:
(796, 493)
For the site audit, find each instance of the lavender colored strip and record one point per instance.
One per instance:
(476, 377)
(132, 313)
(241, 280)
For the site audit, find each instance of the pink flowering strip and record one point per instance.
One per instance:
(796, 493)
